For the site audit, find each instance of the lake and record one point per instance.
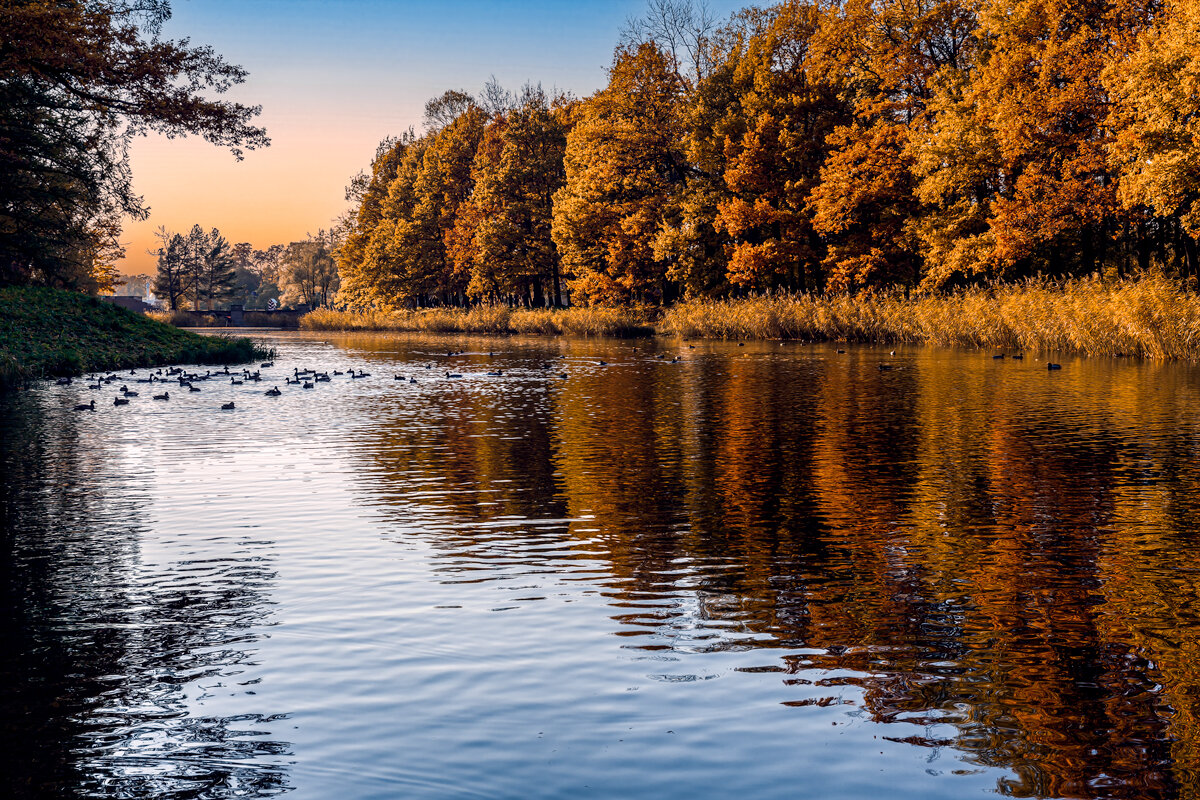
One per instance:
(763, 571)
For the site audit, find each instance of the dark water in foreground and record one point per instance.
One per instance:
(766, 572)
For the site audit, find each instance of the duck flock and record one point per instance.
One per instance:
(179, 380)
(308, 378)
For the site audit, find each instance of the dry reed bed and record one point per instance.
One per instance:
(1151, 316)
(486, 320)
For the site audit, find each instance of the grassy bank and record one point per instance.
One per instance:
(48, 332)
(1149, 316)
(487, 320)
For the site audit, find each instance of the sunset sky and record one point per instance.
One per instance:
(334, 78)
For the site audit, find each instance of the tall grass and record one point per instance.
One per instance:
(488, 320)
(185, 319)
(1149, 315)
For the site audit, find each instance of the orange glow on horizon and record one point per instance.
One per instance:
(273, 196)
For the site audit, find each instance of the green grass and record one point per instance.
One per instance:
(46, 333)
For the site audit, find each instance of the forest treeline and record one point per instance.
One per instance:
(829, 146)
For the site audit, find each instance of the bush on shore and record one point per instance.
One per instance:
(1149, 315)
(49, 332)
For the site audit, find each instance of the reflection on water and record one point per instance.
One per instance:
(771, 570)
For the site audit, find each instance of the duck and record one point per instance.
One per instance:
(453, 375)
(86, 406)
(1052, 365)
(227, 406)
(338, 372)
(120, 401)
(1016, 356)
(267, 364)
(274, 392)
(235, 382)
(63, 381)
(307, 385)
(399, 377)
(125, 391)
(883, 367)
(324, 376)
(998, 357)
(603, 364)
(412, 380)
(192, 388)
(497, 374)
(360, 374)
(163, 396)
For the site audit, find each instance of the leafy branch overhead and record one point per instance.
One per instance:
(78, 79)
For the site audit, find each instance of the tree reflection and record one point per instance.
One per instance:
(991, 561)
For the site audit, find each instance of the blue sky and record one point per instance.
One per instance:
(336, 77)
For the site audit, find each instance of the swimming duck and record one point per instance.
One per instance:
(306, 385)
(86, 406)
(273, 392)
(1053, 366)
(120, 401)
(163, 396)
(228, 406)
(453, 375)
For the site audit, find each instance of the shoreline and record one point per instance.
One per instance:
(1148, 316)
(51, 333)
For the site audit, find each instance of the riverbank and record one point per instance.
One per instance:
(46, 333)
(498, 320)
(1149, 316)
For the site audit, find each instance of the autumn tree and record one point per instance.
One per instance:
(1155, 114)
(624, 166)
(363, 272)
(1015, 167)
(768, 141)
(517, 170)
(426, 210)
(77, 81)
(887, 55)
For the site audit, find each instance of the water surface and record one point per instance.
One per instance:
(763, 571)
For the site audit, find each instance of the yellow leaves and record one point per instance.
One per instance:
(737, 217)
(1156, 115)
